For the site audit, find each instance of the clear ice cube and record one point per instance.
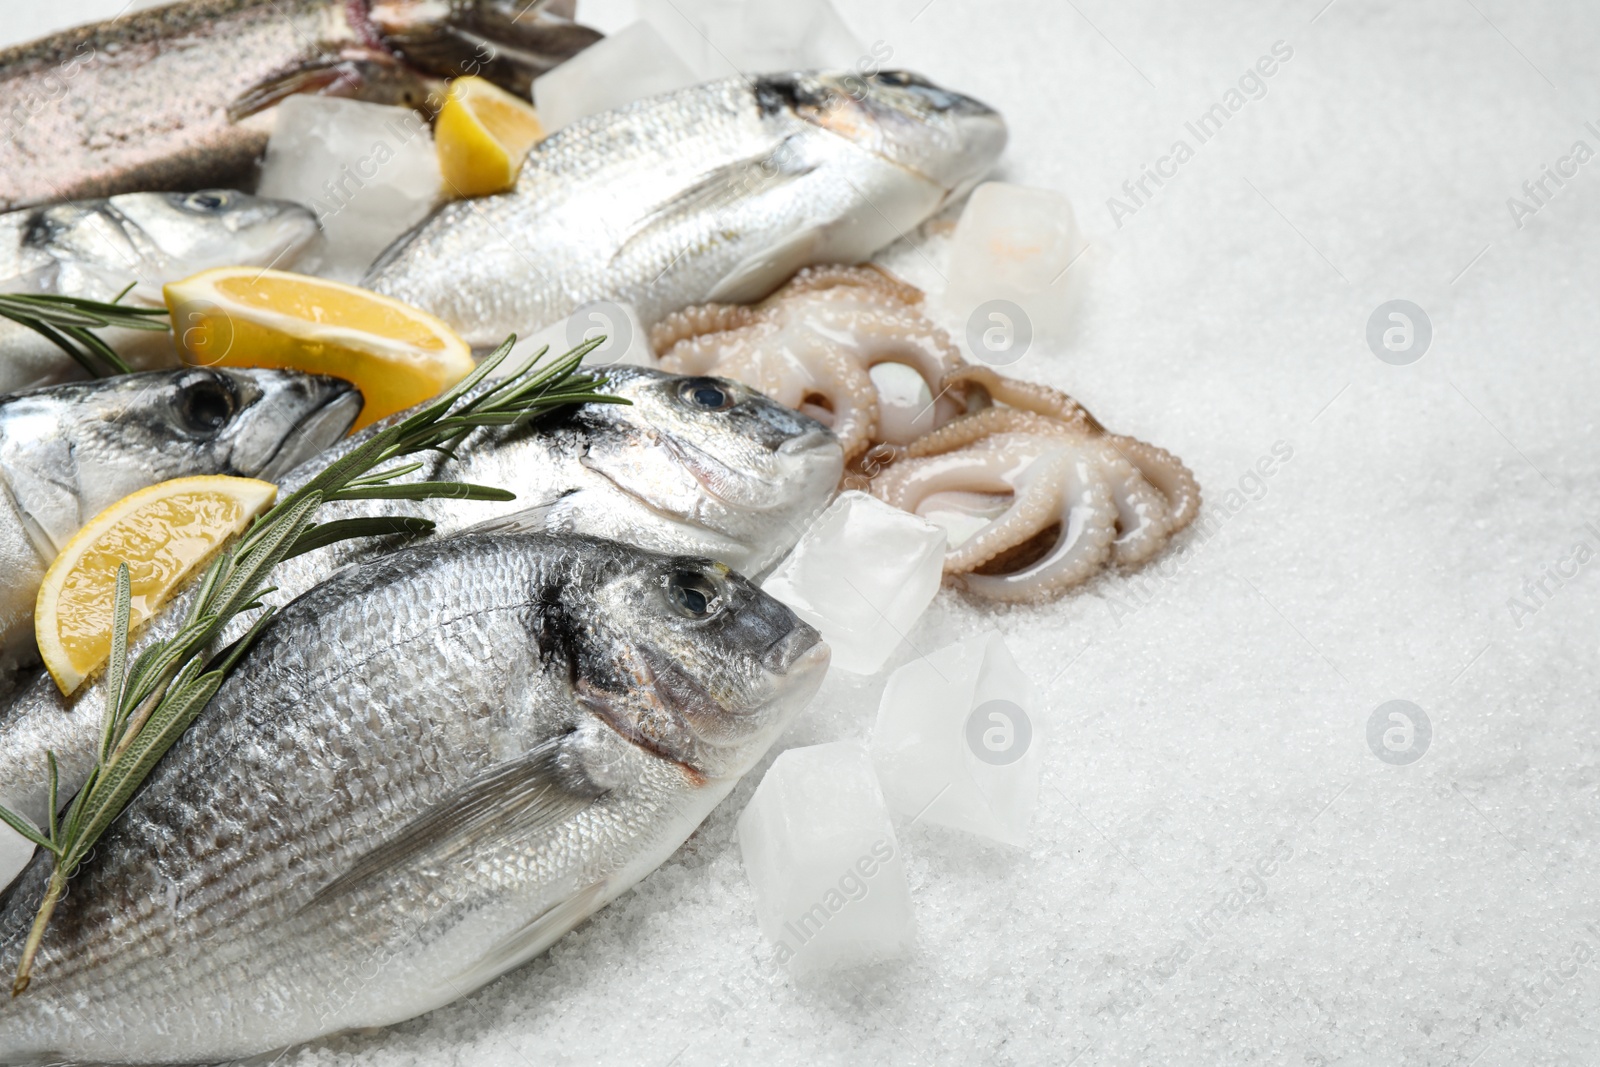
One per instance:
(719, 38)
(631, 64)
(821, 853)
(1012, 243)
(368, 171)
(957, 741)
(862, 574)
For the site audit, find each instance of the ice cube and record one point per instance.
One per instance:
(1013, 243)
(722, 37)
(862, 574)
(626, 341)
(368, 171)
(957, 743)
(631, 64)
(821, 853)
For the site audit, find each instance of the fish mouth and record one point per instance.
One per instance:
(799, 651)
(314, 433)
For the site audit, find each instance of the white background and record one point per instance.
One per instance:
(1187, 737)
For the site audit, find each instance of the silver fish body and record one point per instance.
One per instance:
(97, 248)
(69, 451)
(715, 192)
(429, 769)
(180, 96)
(702, 466)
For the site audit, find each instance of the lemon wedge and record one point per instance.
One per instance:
(395, 354)
(482, 135)
(163, 533)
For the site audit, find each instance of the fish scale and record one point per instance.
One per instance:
(142, 102)
(715, 192)
(600, 469)
(262, 945)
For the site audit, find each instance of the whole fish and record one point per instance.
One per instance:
(429, 769)
(693, 465)
(97, 248)
(716, 192)
(69, 451)
(179, 97)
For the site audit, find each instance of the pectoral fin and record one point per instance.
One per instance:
(527, 797)
(357, 73)
(716, 194)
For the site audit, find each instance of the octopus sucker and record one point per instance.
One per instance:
(1035, 493)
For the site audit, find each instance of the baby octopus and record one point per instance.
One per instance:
(1036, 495)
(812, 344)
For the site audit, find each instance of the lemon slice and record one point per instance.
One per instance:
(482, 135)
(163, 533)
(395, 354)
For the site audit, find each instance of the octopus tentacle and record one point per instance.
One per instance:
(1028, 396)
(1081, 541)
(1167, 473)
(1144, 514)
(849, 399)
(698, 321)
(981, 424)
(1036, 494)
(1024, 472)
(865, 276)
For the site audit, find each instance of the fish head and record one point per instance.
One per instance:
(714, 453)
(690, 661)
(67, 451)
(510, 42)
(190, 232)
(950, 139)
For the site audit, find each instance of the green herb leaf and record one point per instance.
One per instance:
(327, 533)
(66, 322)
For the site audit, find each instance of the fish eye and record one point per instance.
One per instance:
(205, 404)
(705, 393)
(207, 201)
(694, 595)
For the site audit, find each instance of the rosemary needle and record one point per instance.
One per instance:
(69, 321)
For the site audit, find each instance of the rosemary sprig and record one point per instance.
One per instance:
(68, 322)
(153, 699)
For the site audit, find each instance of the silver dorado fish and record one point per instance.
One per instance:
(716, 192)
(69, 451)
(96, 248)
(179, 96)
(694, 465)
(429, 769)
